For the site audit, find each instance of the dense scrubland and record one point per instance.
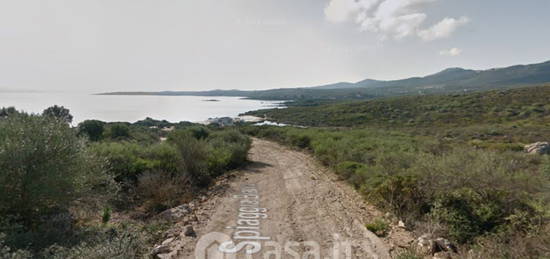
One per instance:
(451, 165)
(93, 191)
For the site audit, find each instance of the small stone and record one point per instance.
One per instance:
(167, 241)
(176, 213)
(161, 249)
(401, 224)
(445, 245)
(189, 231)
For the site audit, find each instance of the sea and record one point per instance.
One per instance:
(114, 108)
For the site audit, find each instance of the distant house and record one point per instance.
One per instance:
(168, 129)
(222, 122)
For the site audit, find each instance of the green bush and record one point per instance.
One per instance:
(468, 214)
(106, 215)
(59, 112)
(118, 131)
(194, 154)
(301, 141)
(5, 112)
(228, 150)
(545, 167)
(402, 193)
(199, 132)
(378, 226)
(347, 168)
(45, 168)
(125, 160)
(93, 129)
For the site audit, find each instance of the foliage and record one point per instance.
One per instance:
(472, 193)
(93, 129)
(106, 215)
(118, 131)
(5, 112)
(45, 166)
(59, 112)
(378, 226)
(57, 189)
(199, 132)
(495, 107)
(46, 169)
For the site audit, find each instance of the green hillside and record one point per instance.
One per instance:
(448, 164)
(495, 106)
(452, 80)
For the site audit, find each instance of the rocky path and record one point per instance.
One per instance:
(307, 213)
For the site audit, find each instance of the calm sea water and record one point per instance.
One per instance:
(133, 108)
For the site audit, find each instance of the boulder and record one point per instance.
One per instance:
(428, 245)
(444, 245)
(538, 148)
(425, 244)
(176, 213)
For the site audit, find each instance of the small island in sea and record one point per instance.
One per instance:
(211, 100)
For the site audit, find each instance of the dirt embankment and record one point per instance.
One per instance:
(307, 212)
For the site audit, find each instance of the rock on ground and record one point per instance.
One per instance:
(538, 148)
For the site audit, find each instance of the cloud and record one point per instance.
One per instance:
(391, 18)
(443, 29)
(453, 52)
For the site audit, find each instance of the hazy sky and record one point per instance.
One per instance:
(108, 45)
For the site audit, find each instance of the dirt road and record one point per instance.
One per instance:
(307, 212)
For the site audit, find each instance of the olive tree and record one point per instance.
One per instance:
(44, 168)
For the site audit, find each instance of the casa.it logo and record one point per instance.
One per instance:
(220, 245)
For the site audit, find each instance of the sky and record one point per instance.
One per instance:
(152, 45)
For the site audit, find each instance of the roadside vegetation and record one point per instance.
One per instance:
(93, 191)
(451, 166)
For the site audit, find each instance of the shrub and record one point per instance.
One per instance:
(468, 193)
(228, 150)
(301, 141)
(5, 112)
(402, 193)
(93, 129)
(106, 215)
(194, 153)
(545, 167)
(347, 168)
(468, 214)
(59, 112)
(165, 157)
(119, 131)
(160, 191)
(409, 254)
(45, 168)
(124, 159)
(121, 242)
(378, 226)
(199, 132)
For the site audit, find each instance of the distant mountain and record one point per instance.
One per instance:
(454, 77)
(447, 81)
